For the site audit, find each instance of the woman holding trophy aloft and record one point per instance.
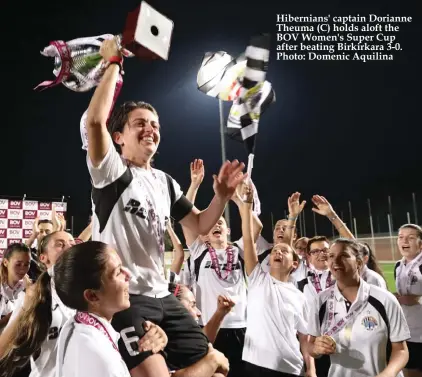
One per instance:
(132, 205)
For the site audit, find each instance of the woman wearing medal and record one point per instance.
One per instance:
(359, 325)
(408, 276)
(276, 335)
(216, 267)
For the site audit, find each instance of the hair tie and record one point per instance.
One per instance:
(176, 291)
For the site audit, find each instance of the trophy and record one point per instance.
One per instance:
(78, 64)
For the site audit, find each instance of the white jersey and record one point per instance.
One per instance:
(362, 343)
(209, 285)
(306, 285)
(412, 313)
(83, 350)
(372, 277)
(44, 364)
(131, 207)
(279, 311)
(8, 298)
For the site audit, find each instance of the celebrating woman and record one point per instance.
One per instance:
(13, 278)
(277, 316)
(354, 321)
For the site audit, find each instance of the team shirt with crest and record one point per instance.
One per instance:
(131, 207)
(209, 285)
(373, 320)
(409, 282)
(277, 313)
(43, 364)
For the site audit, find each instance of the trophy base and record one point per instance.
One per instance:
(147, 33)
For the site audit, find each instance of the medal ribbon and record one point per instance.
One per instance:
(87, 319)
(216, 265)
(357, 308)
(316, 281)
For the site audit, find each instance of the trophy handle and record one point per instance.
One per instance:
(126, 53)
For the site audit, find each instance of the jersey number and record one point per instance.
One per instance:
(131, 342)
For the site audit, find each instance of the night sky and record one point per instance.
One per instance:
(346, 130)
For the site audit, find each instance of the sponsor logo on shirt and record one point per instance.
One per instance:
(223, 266)
(134, 207)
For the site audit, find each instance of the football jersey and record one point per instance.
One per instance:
(131, 207)
(361, 344)
(209, 285)
(413, 286)
(373, 278)
(279, 311)
(43, 364)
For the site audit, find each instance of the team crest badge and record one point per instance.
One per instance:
(370, 323)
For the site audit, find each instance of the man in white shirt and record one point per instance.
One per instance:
(132, 205)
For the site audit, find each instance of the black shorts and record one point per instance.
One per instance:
(252, 370)
(415, 356)
(186, 341)
(322, 365)
(230, 342)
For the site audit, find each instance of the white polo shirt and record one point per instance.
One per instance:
(83, 350)
(279, 311)
(372, 277)
(44, 364)
(306, 285)
(362, 343)
(412, 313)
(209, 286)
(8, 298)
(131, 207)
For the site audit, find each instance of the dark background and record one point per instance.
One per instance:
(346, 130)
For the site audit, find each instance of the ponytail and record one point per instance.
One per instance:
(32, 329)
(372, 263)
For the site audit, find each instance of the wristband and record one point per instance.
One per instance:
(116, 60)
(292, 218)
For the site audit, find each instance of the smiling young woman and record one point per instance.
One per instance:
(356, 323)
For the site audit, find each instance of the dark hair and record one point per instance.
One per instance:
(315, 239)
(79, 268)
(10, 251)
(372, 263)
(120, 115)
(354, 246)
(414, 227)
(45, 222)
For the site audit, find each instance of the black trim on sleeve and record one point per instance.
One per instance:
(395, 269)
(106, 198)
(181, 208)
(301, 284)
(262, 256)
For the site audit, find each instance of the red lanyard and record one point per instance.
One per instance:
(216, 265)
(88, 319)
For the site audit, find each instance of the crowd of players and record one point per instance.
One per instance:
(107, 307)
